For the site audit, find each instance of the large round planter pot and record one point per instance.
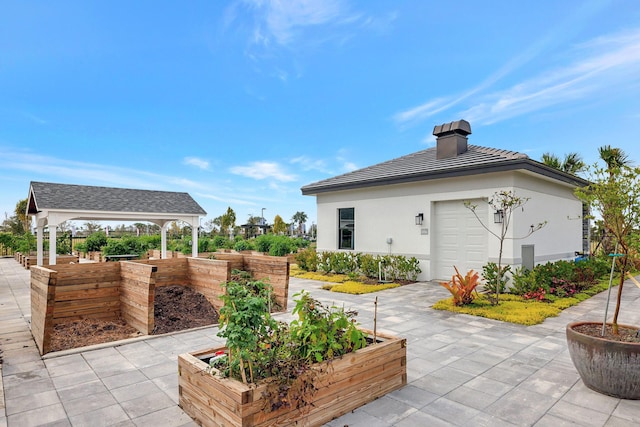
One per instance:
(606, 366)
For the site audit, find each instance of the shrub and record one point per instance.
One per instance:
(263, 242)
(63, 244)
(281, 246)
(495, 283)
(95, 241)
(368, 265)
(220, 242)
(243, 245)
(307, 259)
(115, 247)
(7, 240)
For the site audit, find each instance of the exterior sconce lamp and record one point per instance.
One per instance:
(498, 216)
(419, 218)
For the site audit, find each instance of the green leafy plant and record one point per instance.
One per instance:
(462, 288)
(321, 332)
(307, 259)
(95, 241)
(495, 278)
(243, 245)
(245, 322)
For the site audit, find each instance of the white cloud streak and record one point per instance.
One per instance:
(600, 65)
(263, 170)
(278, 21)
(197, 162)
(69, 171)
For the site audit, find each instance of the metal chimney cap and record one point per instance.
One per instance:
(461, 127)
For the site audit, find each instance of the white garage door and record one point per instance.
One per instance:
(460, 240)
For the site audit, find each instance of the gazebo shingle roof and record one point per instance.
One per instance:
(52, 196)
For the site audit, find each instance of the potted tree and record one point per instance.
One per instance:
(607, 355)
(308, 372)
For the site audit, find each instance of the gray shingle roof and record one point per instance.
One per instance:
(51, 196)
(423, 165)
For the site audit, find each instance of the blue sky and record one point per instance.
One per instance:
(240, 103)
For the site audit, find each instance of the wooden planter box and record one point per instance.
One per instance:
(343, 385)
(109, 290)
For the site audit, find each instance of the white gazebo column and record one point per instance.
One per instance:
(163, 240)
(195, 223)
(52, 244)
(39, 242)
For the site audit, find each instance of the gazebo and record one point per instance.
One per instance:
(52, 204)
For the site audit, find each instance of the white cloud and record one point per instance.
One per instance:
(68, 171)
(263, 170)
(308, 164)
(197, 162)
(603, 64)
(280, 20)
(600, 65)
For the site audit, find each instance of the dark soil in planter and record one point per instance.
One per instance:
(176, 308)
(595, 330)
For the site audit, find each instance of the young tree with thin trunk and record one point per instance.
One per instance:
(504, 203)
(614, 193)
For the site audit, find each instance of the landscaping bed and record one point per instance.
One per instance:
(176, 308)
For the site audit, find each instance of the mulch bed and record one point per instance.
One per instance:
(595, 330)
(176, 308)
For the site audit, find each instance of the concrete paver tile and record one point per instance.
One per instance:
(471, 397)
(413, 396)
(388, 410)
(134, 391)
(107, 416)
(420, 419)
(169, 417)
(38, 416)
(68, 380)
(628, 410)
(81, 390)
(451, 411)
(124, 379)
(573, 413)
(620, 422)
(31, 401)
(88, 403)
(146, 404)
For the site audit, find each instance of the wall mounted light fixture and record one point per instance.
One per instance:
(419, 218)
(498, 216)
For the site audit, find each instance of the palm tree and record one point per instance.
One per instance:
(613, 157)
(551, 160)
(300, 218)
(572, 162)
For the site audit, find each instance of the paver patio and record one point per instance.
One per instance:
(462, 370)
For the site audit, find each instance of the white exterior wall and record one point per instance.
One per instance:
(389, 211)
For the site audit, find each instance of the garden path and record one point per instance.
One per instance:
(462, 370)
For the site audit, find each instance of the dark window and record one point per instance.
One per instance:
(346, 228)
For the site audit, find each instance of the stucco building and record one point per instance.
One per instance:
(415, 206)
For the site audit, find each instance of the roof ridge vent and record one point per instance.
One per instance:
(451, 138)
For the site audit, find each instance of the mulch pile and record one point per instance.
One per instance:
(176, 308)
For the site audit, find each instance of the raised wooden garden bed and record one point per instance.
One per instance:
(31, 260)
(126, 289)
(342, 385)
